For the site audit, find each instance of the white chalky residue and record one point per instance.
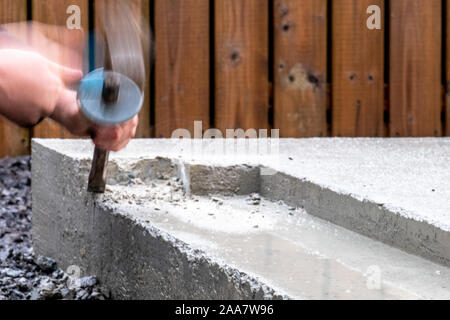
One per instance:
(208, 214)
(184, 176)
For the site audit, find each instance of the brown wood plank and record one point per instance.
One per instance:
(14, 140)
(13, 11)
(357, 70)
(415, 68)
(241, 64)
(447, 72)
(53, 12)
(181, 65)
(142, 9)
(300, 69)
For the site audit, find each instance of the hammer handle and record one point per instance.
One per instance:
(97, 176)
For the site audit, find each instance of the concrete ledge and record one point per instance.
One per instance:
(136, 257)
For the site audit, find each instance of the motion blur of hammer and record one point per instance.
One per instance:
(114, 94)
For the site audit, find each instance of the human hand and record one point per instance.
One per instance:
(34, 83)
(31, 85)
(113, 138)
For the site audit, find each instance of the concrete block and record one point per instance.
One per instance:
(157, 233)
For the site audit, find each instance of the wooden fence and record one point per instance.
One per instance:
(307, 67)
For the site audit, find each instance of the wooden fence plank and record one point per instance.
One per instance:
(181, 65)
(142, 9)
(415, 67)
(447, 73)
(14, 140)
(300, 67)
(241, 64)
(357, 70)
(53, 12)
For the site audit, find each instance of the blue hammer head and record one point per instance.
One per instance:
(124, 106)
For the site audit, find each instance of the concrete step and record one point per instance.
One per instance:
(177, 224)
(293, 253)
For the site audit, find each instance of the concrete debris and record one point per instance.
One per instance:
(218, 200)
(87, 282)
(254, 199)
(46, 264)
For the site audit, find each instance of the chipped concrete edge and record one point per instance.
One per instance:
(207, 268)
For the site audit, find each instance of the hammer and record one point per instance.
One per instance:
(110, 95)
(107, 98)
(114, 94)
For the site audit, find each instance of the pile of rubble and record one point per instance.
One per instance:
(23, 275)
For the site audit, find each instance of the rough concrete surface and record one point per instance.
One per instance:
(156, 233)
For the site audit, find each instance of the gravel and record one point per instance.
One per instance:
(24, 275)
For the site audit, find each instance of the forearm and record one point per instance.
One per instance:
(21, 114)
(21, 117)
(9, 41)
(28, 91)
(33, 87)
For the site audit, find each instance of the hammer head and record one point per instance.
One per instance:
(107, 103)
